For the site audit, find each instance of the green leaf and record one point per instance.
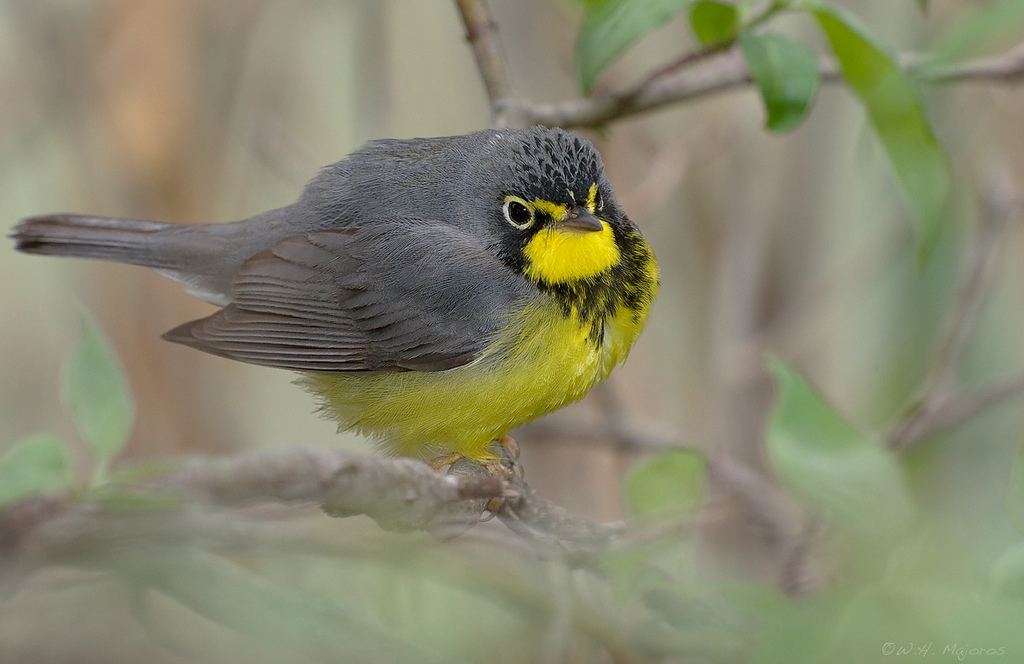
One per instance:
(828, 463)
(668, 484)
(35, 465)
(1007, 575)
(611, 26)
(981, 27)
(786, 73)
(98, 393)
(896, 113)
(714, 22)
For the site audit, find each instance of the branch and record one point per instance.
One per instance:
(1007, 67)
(482, 34)
(710, 72)
(946, 412)
(397, 493)
(175, 551)
(632, 434)
(936, 407)
(541, 522)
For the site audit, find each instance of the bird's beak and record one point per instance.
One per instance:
(580, 219)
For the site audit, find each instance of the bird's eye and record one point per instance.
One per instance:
(518, 212)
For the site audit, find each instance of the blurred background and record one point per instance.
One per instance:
(214, 110)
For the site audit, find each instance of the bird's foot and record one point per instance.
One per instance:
(502, 466)
(505, 467)
(439, 462)
(511, 446)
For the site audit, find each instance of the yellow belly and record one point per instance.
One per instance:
(542, 361)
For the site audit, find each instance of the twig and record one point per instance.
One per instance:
(685, 60)
(947, 411)
(688, 59)
(970, 301)
(728, 70)
(482, 33)
(712, 75)
(631, 433)
(1006, 67)
(538, 520)
(936, 408)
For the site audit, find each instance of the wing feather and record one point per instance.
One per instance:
(397, 297)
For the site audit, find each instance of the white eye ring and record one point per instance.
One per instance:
(518, 212)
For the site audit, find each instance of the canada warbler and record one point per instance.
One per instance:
(434, 293)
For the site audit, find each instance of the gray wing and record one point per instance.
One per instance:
(419, 297)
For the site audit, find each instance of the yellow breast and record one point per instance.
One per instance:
(542, 361)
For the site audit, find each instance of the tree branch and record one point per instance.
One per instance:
(632, 434)
(937, 408)
(712, 72)
(482, 34)
(175, 551)
(1007, 67)
(398, 493)
(948, 411)
(539, 521)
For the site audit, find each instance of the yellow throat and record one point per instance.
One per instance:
(557, 255)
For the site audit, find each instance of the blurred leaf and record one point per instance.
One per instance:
(668, 484)
(815, 619)
(786, 73)
(923, 5)
(1008, 573)
(35, 465)
(938, 620)
(703, 616)
(629, 569)
(98, 393)
(280, 616)
(714, 22)
(1015, 495)
(611, 26)
(136, 501)
(983, 26)
(898, 117)
(828, 463)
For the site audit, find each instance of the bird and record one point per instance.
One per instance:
(432, 293)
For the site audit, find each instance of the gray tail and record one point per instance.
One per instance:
(121, 240)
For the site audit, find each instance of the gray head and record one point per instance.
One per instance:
(466, 181)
